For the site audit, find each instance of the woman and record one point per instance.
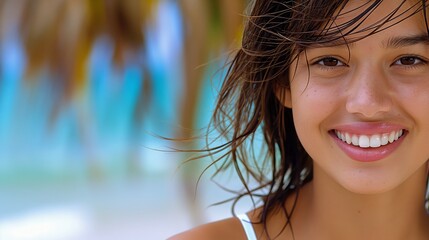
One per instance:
(340, 91)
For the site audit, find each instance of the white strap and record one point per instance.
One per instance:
(247, 226)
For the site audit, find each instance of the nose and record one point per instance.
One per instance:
(368, 93)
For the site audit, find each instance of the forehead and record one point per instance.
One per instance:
(358, 19)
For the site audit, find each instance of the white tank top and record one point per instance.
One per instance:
(247, 226)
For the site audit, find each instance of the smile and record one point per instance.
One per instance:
(369, 141)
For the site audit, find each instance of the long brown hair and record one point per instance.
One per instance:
(276, 32)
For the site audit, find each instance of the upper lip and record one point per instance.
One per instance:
(368, 128)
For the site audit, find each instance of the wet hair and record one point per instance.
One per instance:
(276, 33)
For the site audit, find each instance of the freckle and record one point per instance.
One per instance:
(359, 212)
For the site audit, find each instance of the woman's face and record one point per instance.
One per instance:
(362, 110)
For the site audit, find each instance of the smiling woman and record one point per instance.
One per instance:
(366, 97)
(338, 89)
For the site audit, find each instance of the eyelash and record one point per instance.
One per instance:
(417, 62)
(319, 63)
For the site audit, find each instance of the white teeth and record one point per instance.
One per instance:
(363, 141)
(375, 141)
(384, 139)
(372, 141)
(348, 138)
(355, 140)
(391, 137)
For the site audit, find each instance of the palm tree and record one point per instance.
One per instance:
(210, 28)
(60, 35)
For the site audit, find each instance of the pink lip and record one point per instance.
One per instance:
(369, 128)
(368, 154)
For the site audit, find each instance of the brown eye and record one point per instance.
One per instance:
(330, 62)
(409, 60)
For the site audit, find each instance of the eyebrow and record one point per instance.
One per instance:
(405, 41)
(393, 42)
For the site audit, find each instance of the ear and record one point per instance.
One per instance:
(283, 94)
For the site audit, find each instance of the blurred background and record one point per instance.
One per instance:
(87, 89)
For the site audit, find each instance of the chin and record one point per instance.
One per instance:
(368, 186)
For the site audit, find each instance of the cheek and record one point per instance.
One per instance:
(311, 110)
(414, 101)
(313, 104)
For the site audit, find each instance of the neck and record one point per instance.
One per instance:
(336, 213)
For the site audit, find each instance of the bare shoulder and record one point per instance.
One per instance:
(225, 229)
